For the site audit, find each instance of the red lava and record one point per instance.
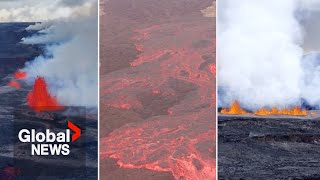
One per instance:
(14, 84)
(212, 69)
(9, 172)
(155, 91)
(180, 140)
(39, 99)
(178, 145)
(20, 74)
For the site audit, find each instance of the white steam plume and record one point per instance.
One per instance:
(260, 55)
(69, 64)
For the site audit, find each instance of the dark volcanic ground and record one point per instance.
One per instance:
(157, 90)
(14, 113)
(268, 148)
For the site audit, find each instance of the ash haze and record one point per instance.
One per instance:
(68, 29)
(262, 53)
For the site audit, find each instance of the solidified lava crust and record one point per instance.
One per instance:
(177, 144)
(268, 147)
(169, 87)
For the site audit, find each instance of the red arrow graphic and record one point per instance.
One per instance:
(76, 129)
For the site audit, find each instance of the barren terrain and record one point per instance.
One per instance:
(278, 147)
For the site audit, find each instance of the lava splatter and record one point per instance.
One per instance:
(20, 74)
(14, 84)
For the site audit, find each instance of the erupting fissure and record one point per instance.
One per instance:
(295, 111)
(20, 74)
(39, 99)
(236, 109)
(14, 84)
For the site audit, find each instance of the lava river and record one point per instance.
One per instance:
(171, 85)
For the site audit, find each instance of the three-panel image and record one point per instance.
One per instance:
(159, 89)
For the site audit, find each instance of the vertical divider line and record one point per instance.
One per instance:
(216, 105)
(98, 64)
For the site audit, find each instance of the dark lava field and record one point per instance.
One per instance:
(268, 148)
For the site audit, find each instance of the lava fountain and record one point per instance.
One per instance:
(235, 109)
(295, 111)
(39, 99)
(20, 74)
(14, 84)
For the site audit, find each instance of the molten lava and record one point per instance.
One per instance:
(166, 146)
(295, 111)
(212, 69)
(234, 109)
(9, 172)
(39, 99)
(20, 74)
(14, 84)
(173, 90)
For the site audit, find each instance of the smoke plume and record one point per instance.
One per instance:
(260, 53)
(68, 30)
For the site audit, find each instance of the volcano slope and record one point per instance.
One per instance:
(15, 114)
(279, 147)
(157, 90)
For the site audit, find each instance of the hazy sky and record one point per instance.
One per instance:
(41, 10)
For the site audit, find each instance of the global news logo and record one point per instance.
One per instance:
(48, 142)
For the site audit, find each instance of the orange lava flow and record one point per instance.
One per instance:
(39, 99)
(166, 146)
(20, 74)
(173, 91)
(212, 69)
(295, 111)
(14, 84)
(234, 109)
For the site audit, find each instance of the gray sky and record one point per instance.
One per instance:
(41, 10)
